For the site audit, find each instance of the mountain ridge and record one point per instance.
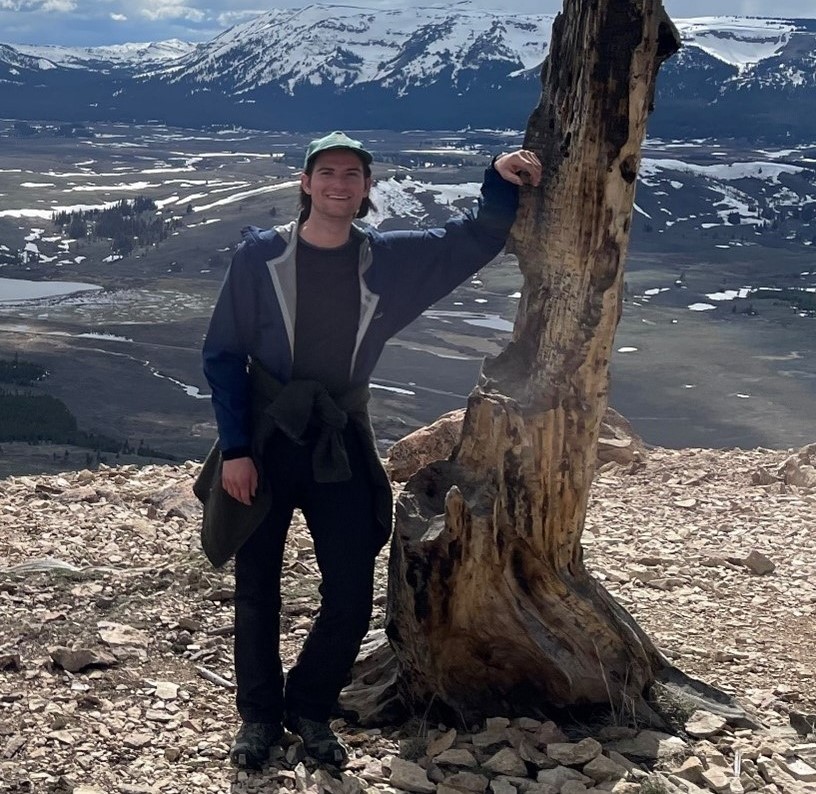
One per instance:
(402, 69)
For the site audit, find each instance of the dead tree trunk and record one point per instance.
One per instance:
(490, 607)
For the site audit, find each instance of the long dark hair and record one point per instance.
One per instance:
(305, 208)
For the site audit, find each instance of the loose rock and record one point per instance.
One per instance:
(571, 754)
(703, 724)
(409, 776)
(757, 562)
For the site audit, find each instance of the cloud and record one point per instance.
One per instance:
(38, 5)
(172, 9)
(229, 18)
(118, 17)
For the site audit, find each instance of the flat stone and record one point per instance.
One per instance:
(410, 777)
(499, 786)
(137, 740)
(772, 773)
(441, 743)
(76, 660)
(468, 781)
(351, 784)
(549, 733)
(189, 624)
(559, 775)
(712, 756)
(157, 715)
(13, 746)
(691, 769)
(574, 754)
(529, 752)
(758, 563)
(667, 784)
(649, 745)
(506, 762)
(327, 782)
(166, 690)
(716, 779)
(601, 769)
(456, 757)
(798, 770)
(702, 724)
(488, 738)
(120, 634)
(303, 778)
(496, 724)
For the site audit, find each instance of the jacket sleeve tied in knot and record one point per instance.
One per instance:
(305, 412)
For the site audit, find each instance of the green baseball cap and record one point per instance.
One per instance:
(336, 140)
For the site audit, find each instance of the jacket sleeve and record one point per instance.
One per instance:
(227, 346)
(424, 266)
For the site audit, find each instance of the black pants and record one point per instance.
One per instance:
(340, 517)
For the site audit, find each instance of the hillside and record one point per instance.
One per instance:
(102, 568)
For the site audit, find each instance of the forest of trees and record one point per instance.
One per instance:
(798, 298)
(40, 418)
(128, 224)
(20, 373)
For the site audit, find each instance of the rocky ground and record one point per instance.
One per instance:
(115, 642)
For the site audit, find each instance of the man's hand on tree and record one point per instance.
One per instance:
(239, 478)
(521, 167)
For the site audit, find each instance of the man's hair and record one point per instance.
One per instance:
(305, 208)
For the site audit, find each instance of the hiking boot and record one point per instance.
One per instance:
(319, 740)
(252, 744)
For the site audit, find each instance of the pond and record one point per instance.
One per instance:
(13, 290)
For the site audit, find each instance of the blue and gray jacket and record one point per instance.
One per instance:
(402, 273)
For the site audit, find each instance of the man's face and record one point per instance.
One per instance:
(337, 184)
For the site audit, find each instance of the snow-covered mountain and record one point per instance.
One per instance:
(12, 60)
(737, 41)
(343, 47)
(115, 55)
(409, 68)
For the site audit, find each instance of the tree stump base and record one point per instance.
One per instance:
(491, 610)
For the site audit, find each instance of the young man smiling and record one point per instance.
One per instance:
(302, 318)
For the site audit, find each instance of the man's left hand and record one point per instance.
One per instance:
(521, 167)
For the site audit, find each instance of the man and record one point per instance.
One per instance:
(302, 318)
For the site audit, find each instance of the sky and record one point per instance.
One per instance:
(95, 22)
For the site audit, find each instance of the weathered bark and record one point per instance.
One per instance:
(490, 607)
(490, 602)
